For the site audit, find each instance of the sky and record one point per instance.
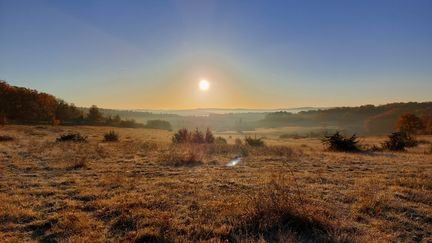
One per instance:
(254, 53)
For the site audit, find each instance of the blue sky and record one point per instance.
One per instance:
(255, 54)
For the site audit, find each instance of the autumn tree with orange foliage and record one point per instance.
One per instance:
(381, 123)
(409, 123)
(19, 104)
(427, 121)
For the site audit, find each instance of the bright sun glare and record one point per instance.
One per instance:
(204, 85)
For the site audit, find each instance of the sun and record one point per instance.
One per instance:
(204, 85)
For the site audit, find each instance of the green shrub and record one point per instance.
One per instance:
(398, 141)
(111, 136)
(255, 142)
(72, 137)
(338, 142)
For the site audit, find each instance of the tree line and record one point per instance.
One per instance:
(367, 119)
(18, 104)
(27, 106)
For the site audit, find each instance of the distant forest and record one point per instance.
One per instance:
(20, 105)
(26, 106)
(366, 119)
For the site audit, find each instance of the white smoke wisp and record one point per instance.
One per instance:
(234, 162)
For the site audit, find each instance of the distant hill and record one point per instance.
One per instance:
(23, 105)
(366, 119)
(208, 111)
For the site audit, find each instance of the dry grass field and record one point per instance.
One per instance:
(144, 189)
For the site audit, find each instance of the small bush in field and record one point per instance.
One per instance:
(220, 140)
(72, 137)
(338, 142)
(111, 136)
(198, 137)
(255, 142)
(6, 138)
(181, 136)
(209, 138)
(238, 142)
(184, 136)
(398, 141)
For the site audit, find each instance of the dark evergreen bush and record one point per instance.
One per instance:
(72, 137)
(398, 141)
(341, 143)
(111, 136)
(255, 142)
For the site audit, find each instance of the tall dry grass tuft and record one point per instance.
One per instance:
(277, 213)
(15, 213)
(372, 199)
(184, 155)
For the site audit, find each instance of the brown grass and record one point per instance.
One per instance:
(6, 138)
(144, 189)
(183, 155)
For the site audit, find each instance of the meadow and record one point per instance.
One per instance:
(143, 188)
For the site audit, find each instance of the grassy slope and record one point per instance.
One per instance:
(131, 191)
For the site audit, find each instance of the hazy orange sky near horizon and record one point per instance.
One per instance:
(255, 54)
